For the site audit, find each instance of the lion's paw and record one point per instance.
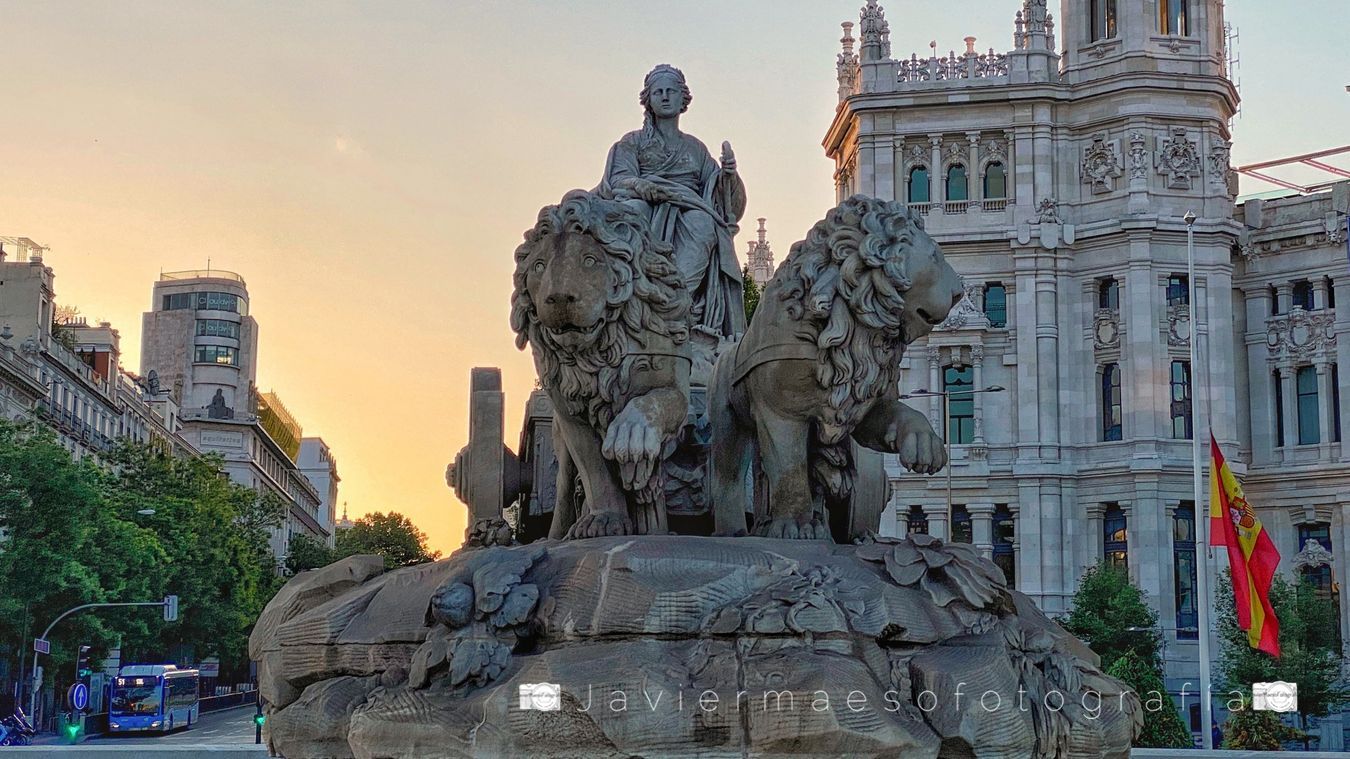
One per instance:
(788, 528)
(599, 524)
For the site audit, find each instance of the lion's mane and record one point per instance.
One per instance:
(647, 296)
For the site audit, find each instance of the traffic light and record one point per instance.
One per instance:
(259, 719)
(82, 663)
(73, 731)
(171, 608)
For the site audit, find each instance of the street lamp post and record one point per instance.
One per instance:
(947, 424)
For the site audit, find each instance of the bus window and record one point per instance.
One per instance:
(135, 695)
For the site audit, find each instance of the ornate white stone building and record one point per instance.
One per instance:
(1056, 175)
(759, 257)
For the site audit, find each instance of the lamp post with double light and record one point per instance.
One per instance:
(946, 396)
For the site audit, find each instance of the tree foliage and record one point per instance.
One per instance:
(750, 291)
(1310, 655)
(1113, 617)
(304, 552)
(73, 535)
(390, 535)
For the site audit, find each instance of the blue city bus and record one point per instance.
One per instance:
(152, 698)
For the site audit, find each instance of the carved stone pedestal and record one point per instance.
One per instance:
(681, 646)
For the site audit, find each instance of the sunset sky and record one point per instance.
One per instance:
(369, 167)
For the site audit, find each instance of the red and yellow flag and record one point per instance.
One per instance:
(1252, 556)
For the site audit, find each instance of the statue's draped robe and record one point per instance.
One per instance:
(699, 225)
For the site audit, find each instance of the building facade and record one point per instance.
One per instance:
(759, 257)
(68, 374)
(1057, 176)
(199, 341)
(319, 466)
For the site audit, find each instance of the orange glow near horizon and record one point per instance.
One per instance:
(368, 168)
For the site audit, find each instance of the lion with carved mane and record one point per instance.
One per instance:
(818, 368)
(605, 313)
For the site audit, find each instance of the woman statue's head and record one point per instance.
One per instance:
(660, 82)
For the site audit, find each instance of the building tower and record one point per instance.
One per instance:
(201, 344)
(759, 258)
(1056, 180)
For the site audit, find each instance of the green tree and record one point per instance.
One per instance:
(391, 535)
(750, 291)
(1258, 731)
(304, 552)
(1310, 653)
(1113, 617)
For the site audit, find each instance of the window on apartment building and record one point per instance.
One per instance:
(1335, 403)
(216, 354)
(1111, 408)
(995, 181)
(1303, 295)
(1305, 381)
(1181, 400)
(1108, 294)
(1183, 570)
(205, 302)
(1004, 530)
(217, 328)
(1115, 538)
(1173, 17)
(996, 304)
(1279, 408)
(1101, 19)
(957, 186)
(918, 185)
(962, 530)
(1178, 290)
(918, 521)
(957, 382)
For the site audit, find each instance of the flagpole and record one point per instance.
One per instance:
(1201, 515)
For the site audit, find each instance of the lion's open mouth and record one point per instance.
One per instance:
(573, 334)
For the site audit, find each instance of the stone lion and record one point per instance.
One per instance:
(605, 313)
(818, 367)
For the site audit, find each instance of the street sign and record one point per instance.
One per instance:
(210, 667)
(171, 608)
(78, 697)
(42, 646)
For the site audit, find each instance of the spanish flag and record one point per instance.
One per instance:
(1252, 557)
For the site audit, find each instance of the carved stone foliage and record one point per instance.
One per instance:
(1314, 554)
(955, 152)
(1101, 163)
(1220, 170)
(1106, 329)
(443, 659)
(917, 155)
(1300, 334)
(1138, 156)
(995, 150)
(1178, 159)
(1179, 324)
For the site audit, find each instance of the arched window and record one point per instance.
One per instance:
(918, 185)
(957, 382)
(1174, 17)
(995, 182)
(957, 188)
(1101, 19)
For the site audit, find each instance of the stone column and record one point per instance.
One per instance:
(899, 170)
(973, 184)
(901, 513)
(1259, 384)
(1341, 567)
(1047, 360)
(982, 527)
(1017, 542)
(1010, 177)
(934, 171)
(1319, 290)
(1284, 295)
(1290, 392)
(977, 373)
(1325, 420)
(1342, 327)
(937, 519)
(1093, 549)
(935, 385)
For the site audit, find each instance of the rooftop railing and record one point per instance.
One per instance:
(171, 276)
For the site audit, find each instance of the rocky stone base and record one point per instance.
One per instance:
(681, 646)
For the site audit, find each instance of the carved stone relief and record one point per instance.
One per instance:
(1101, 163)
(1106, 329)
(1314, 554)
(1138, 156)
(1178, 159)
(1301, 335)
(1220, 171)
(1179, 325)
(966, 312)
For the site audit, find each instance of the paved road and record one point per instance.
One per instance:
(226, 727)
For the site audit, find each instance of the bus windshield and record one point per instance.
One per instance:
(130, 698)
